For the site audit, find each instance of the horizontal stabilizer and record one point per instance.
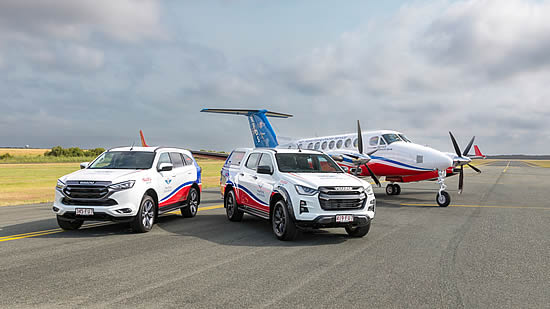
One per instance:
(245, 112)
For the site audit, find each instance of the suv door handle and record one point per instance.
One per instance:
(242, 174)
(255, 177)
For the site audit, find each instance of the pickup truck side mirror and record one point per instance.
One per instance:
(264, 169)
(165, 167)
(84, 165)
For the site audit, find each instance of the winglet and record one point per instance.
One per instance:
(143, 143)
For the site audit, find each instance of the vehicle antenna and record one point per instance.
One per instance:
(131, 148)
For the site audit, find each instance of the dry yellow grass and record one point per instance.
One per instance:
(23, 152)
(539, 163)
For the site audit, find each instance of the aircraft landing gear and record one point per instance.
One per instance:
(393, 189)
(442, 198)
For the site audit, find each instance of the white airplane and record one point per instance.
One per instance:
(386, 153)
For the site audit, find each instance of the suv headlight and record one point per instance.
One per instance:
(305, 190)
(369, 190)
(122, 185)
(60, 185)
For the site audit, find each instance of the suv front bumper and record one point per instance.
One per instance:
(329, 221)
(126, 207)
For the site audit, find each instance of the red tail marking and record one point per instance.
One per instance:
(478, 152)
(143, 143)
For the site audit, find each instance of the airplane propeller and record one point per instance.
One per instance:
(462, 160)
(360, 148)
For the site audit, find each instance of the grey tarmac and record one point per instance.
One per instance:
(490, 248)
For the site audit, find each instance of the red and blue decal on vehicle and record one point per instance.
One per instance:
(178, 195)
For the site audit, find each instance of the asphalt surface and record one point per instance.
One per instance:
(489, 249)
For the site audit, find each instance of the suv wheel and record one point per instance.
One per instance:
(231, 208)
(68, 225)
(143, 221)
(283, 225)
(358, 231)
(192, 207)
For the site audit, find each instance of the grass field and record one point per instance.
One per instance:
(23, 152)
(539, 163)
(37, 156)
(34, 183)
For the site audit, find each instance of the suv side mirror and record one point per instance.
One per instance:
(264, 169)
(84, 165)
(165, 167)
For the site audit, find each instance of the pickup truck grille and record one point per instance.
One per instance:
(342, 198)
(86, 192)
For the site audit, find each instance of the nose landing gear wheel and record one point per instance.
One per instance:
(443, 199)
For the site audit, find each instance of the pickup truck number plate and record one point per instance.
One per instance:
(84, 211)
(344, 218)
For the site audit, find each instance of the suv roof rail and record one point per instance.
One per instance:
(164, 147)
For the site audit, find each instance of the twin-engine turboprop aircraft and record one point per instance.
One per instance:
(385, 153)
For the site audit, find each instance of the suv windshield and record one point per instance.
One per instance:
(124, 160)
(306, 163)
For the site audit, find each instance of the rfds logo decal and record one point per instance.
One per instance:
(168, 181)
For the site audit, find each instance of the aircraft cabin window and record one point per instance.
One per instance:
(348, 142)
(374, 141)
(355, 143)
(310, 146)
(391, 138)
(317, 145)
(324, 145)
(339, 144)
(331, 145)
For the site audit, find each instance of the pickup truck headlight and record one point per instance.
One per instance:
(369, 190)
(60, 185)
(305, 190)
(123, 185)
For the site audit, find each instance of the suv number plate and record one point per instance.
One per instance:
(344, 218)
(84, 211)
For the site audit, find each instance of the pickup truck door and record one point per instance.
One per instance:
(265, 182)
(249, 193)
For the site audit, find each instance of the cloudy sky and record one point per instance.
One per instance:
(93, 72)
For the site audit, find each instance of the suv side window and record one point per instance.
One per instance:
(164, 158)
(187, 159)
(176, 159)
(252, 161)
(265, 160)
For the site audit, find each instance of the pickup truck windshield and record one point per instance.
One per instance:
(132, 160)
(306, 163)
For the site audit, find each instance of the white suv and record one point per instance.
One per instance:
(295, 189)
(129, 184)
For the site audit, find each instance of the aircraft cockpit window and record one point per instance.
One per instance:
(391, 138)
(373, 141)
(317, 145)
(403, 137)
(331, 145)
(382, 142)
(339, 144)
(310, 146)
(324, 145)
(348, 142)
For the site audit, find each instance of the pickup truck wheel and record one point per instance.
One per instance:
(192, 207)
(283, 225)
(69, 224)
(358, 231)
(143, 221)
(232, 208)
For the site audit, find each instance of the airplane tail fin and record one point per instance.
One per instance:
(261, 129)
(143, 143)
(478, 152)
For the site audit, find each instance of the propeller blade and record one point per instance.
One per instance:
(359, 138)
(371, 152)
(467, 149)
(373, 176)
(461, 179)
(474, 168)
(455, 144)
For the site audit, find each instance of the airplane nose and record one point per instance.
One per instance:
(443, 161)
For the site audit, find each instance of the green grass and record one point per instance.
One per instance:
(31, 183)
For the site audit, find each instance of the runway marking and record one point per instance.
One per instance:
(477, 206)
(505, 169)
(85, 226)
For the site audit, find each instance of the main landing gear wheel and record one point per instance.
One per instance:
(231, 208)
(393, 189)
(143, 222)
(192, 204)
(283, 225)
(443, 199)
(69, 224)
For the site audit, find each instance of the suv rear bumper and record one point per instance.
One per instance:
(329, 221)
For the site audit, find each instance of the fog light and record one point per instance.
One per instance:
(303, 207)
(124, 210)
(55, 209)
(372, 205)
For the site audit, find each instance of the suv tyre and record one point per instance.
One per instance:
(232, 208)
(283, 225)
(358, 231)
(145, 218)
(69, 224)
(192, 207)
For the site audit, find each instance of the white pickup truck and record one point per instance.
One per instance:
(295, 189)
(129, 184)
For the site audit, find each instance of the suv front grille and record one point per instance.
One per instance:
(78, 191)
(342, 198)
